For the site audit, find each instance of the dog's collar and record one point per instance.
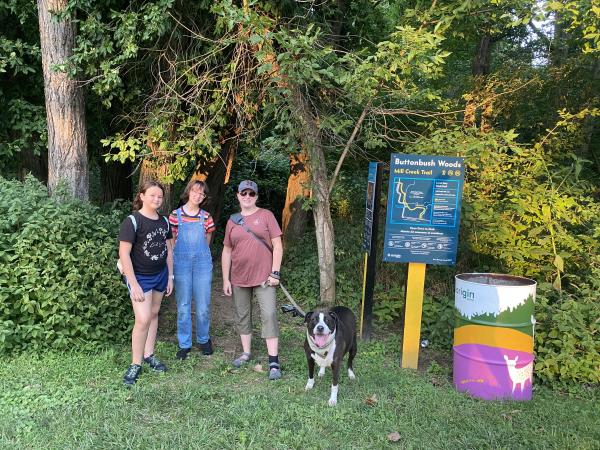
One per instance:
(320, 350)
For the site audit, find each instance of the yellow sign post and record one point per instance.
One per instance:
(423, 220)
(362, 303)
(412, 317)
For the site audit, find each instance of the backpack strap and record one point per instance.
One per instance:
(133, 221)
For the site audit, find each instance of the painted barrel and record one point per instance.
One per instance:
(493, 338)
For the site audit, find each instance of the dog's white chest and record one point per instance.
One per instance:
(324, 358)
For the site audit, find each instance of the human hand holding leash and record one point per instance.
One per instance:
(272, 281)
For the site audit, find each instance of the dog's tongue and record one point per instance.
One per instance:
(321, 339)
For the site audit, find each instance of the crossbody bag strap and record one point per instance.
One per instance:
(238, 219)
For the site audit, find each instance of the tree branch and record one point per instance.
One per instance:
(348, 144)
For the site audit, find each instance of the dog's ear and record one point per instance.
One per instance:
(334, 316)
(307, 316)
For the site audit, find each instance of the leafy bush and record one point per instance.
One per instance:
(58, 283)
(531, 211)
(568, 335)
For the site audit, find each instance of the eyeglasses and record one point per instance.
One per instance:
(250, 193)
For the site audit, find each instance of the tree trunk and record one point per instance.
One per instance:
(311, 141)
(216, 172)
(320, 190)
(294, 218)
(116, 181)
(480, 69)
(67, 141)
(481, 61)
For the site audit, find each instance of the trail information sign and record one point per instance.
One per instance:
(370, 206)
(423, 209)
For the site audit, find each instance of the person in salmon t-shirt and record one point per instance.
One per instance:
(251, 260)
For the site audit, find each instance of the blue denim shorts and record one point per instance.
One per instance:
(155, 282)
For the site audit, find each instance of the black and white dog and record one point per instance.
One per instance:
(330, 334)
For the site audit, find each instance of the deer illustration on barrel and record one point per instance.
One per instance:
(518, 375)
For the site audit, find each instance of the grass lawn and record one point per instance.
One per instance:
(76, 400)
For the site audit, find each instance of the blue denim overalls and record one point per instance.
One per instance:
(193, 276)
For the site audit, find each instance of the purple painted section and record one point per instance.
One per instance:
(491, 373)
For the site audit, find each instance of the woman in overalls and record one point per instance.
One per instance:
(192, 232)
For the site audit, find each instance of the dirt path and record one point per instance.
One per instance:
(227, 342)
(222, 328)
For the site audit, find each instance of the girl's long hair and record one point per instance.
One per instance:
(185, 195)
(137, 202)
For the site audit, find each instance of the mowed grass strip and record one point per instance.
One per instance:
(76, 400)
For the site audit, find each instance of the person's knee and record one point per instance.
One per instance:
(155, 312)
(143, 321)
(184, 313)
(203, 313)
(184, 308)
(270, 325)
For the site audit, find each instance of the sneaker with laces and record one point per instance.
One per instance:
(182, 353)
(132, 374)
(155, 364)
(206, 348)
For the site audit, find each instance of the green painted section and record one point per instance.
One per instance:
(517, 319)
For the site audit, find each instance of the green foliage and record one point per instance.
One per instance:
(58, 283)
(23, 117)
(25, 128)
(438, 320)
(581, 18)
(400, 67)
(14, 56)
(530, 211)
(567, 339)
(389, 305)
(300, 275)
(109, 38)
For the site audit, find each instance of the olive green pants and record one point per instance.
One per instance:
(242, 300)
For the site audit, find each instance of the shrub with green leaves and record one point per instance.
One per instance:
(59, 286)
(533, 211)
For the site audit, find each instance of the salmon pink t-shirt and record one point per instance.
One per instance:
(251, 261)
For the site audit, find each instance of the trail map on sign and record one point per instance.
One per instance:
(413, 201)
(424, 199)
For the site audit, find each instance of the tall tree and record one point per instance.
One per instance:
(294, 216)
(65, 109)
